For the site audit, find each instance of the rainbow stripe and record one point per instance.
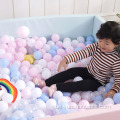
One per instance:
(11, 89)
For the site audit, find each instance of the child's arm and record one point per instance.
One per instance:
(81, 54)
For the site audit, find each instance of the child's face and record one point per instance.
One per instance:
(106, 45)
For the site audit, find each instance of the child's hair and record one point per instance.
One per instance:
(109, 30)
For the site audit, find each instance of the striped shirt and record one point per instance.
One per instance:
(102, 66)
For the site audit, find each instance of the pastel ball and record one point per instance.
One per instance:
(4, 62)
(54, 47)
(98, 98)
(90, 38)
(108, 86)
(52, 52)
(23, 31)
(116, 98)
(37, 55)
(55, 37)
(78, 48)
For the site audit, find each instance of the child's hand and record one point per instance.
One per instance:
(110, 93)
(62, 64)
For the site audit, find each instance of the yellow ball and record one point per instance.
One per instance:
(29, 58)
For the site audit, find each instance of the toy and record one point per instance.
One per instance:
(29, 58)
(10, 88)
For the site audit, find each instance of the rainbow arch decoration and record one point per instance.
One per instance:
(11, 89)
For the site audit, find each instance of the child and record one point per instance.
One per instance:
(104, 64)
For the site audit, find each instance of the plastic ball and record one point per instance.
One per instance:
(46, 47)
(3, 106)
(69, 50)
(26, 93)
(38, 44)
(78, 78)
(102, 90)
(86, 95)
(47, 57)
(98, 98)
(51, 104)
(40, 104)
(67, 94)
(21, 42)
(5, 39)
(74, 43)
(76, 97)
(62, 99)
(116, 98)
(12, 44)
(108, 101)
(63, 108)
(31, 42)
(38, 114)
(52, 52)
(5, 71)
(90, 38)
(23, 50)
(19, 113)
(81, 39)
(82, 45)
(37, 55)
(43, 40)
(19, 56)
(83, 104)
(51, 65)
(108, 86)
(44, 97)
(66, 44)
(25, 63)
(67, 39)
(43, 63)
(20, 84)
(57, 58)
(4, 62)
(59, 44)
(33, 72)
(7, 97)
(46, 74)
(2, 52)
(54, 47)
(61, 52)
(57, 95)
(55, 37)
(23, 31)
(51, 43)
(36, 92)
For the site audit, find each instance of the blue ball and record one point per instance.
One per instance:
(54, 47)
(88, 42)
(98, 98)
(4, 62)
(13, 68)
(37, 55)
(15, 74)
(90, 38)
(44, 97)
(77, 49)
(116, 98)
(52, 52)
(108, 86)
(12, 118)
(63, 107)
(67, 94)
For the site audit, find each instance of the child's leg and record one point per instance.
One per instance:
(67, 75)
(84, 85)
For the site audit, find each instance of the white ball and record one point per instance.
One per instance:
(81, 39)
(19, 113)
(78, 78)
(5, 76)
(67, 39)
(31, 42)
(51, 43)
(86, 96)
(7, 97)
(72, 64)
(66, 44)
(20, 84)
(62, 99)
(17, 63)
(39, 67)
(30, 84)
(3, 106)
(5, 71)
(76, 97)
(18, 95)
(108, 101)
(43, 63)
(57, 95)
(38, 114)
(46, 47)
(74, 43)
(51, 104)
(36, 92)
(40, 105)
(46, 74)
(2, 52)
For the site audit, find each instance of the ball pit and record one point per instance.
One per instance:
(38, 57)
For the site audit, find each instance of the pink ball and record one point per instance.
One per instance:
(12, 44)
(24, 70)
(84, 104)
(25, 63)
(59, 44)
(19, 56)
(21, 42)
(38, 44)
(26, 93)
(81, 45)
(23, 31)
(5, 39)
(33, 72)
(43, 40)
(3, 46)
(47, 57)
(23, 50)
(55, 37)
(57, 58)
(51, 65)
(44, 89)
(69, 50)
(11, 50)
(9, 56)
(39, 76)
(42, 51)
(61, 52)
(73, 106)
